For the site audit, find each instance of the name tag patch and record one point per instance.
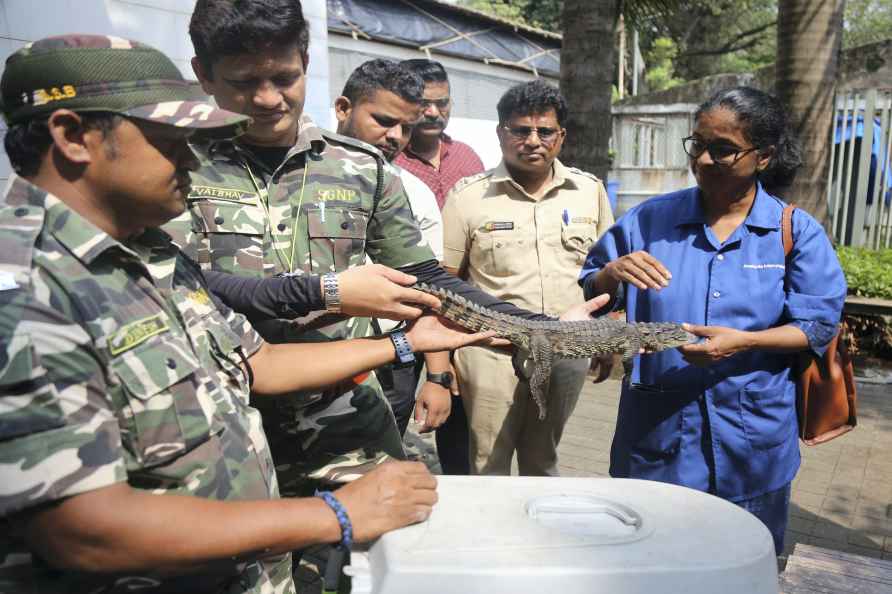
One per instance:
(583, 220)
(329, 194)
(136, 333)
(499, 226)
(224, 193)
(764, 266)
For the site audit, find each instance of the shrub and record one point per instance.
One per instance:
(868, 272)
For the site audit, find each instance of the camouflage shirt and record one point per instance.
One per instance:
(315, 213)
(115, 365)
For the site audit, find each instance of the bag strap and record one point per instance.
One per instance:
(787, 228)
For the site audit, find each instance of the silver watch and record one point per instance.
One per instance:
(330, 293)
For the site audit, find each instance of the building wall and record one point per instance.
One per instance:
(476, 87)
(163, 24)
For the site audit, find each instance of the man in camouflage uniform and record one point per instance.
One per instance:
(129, 456)
(319, 204)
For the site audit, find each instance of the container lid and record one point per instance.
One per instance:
(585, 535)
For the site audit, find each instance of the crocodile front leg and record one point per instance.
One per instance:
(523, 365)
(542, 355)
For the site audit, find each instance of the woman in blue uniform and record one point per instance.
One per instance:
(719, 415)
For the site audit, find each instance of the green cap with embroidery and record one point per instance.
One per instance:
(105, 73)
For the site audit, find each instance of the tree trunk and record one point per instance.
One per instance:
(809, 37)
(587, 68)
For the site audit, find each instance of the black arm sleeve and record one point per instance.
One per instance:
(432, 273)
(588, 292)
(283, 297)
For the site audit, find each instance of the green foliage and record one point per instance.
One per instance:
(710, 36)
(544, 14)
(867, 21)
(716, 36)
(868, 272)
(661, 68)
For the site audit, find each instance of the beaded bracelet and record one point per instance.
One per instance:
(343, 519)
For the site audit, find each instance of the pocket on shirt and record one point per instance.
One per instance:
(769, 415)
(224, 345)
(651, 421)
(337, 238)
(578, 239)
(166, 418)
(502, 253)
(233, 234)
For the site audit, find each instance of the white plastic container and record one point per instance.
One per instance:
(519, 535)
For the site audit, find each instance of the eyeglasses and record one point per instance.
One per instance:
(521, 133)
(721, 153)
(440, 104)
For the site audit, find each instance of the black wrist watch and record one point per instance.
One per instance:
(444, 379)
(404, 354)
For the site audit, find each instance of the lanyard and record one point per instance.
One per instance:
(288, 264)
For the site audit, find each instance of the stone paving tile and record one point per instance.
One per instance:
(830, 531)
(808, 502)
(814, 488)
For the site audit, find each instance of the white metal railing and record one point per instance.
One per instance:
(859, 185)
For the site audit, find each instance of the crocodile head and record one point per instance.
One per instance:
(661, 336)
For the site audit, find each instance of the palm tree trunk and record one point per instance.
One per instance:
(587, 69)
(809, 37)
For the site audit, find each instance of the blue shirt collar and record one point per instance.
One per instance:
(765, 213)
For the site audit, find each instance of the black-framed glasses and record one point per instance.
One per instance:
(720, 152)
(521, 133)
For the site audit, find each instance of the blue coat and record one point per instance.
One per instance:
(729, 429)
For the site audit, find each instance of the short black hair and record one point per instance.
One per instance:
(428, 70)
(765, 124)
(536, 96)
(231, 27)
(385, 75)
(27, 142)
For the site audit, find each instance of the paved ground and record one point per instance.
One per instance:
(842, 496)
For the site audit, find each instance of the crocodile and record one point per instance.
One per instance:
(537, 343)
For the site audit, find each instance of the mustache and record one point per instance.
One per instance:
(439, 121)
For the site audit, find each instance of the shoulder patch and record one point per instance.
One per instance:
(470, 180)
(578, 171)
(19, 227)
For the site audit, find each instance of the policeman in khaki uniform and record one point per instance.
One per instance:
(130, 458)
(521, 232)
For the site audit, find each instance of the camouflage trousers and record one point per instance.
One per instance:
(321, 439)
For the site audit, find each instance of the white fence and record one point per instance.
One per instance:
(859, 188)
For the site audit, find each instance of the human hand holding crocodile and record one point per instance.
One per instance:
(639, 269)
(376, 291)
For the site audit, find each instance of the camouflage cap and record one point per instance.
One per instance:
(104, 73)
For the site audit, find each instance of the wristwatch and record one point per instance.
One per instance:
(443, 379)
(330, 293)
(404, 352)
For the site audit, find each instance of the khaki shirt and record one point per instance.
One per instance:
(520, 249)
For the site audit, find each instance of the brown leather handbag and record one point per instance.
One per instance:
(825, 395)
